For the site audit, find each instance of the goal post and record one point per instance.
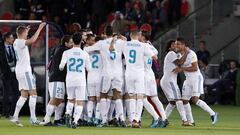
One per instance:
(50, 36)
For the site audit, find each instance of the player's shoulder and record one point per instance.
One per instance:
(192, 53)
(171, 54)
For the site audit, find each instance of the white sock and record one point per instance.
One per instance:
(119, 109)
(49, 112)
(111, 110)
(32, 106)
(150, 109)
(104, 110)
(205, 107)
(77, 112)
(69, 108)
(59, 111)
(90, 109)
(188, 111)
(139, 108)
(160, 107)
(127, 104)
(97, 112)
(21, 101)
(169, 109)
(181, 110)
(132, 108)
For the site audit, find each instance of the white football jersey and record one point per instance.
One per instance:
(117, 60)
(22, 56)
(191, 58)
(77, 61)
(148, 60)
(169, 66)
(96, 66)
(134, 53)
(108, 57)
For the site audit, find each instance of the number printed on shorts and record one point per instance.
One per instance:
(75, 65)
(132, 55)
(95, 59)
(113, 55)
(59, 92)
(149, 61)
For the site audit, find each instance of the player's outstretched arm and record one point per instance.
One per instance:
(35, 36)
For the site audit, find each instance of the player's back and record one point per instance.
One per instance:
(77, 61)
(148, 60)
(134, 52)
(22, 56)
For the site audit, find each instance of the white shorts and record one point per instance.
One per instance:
(170, 89)
(192, 87)
(57, 90)
(93, 89)
(26, 81)
(108, 83)
(135, 84)
(77, 92)
(150, 85)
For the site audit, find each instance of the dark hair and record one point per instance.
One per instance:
(182, 40)
(98, 38)
(169, 43)
(65, 39)
(146, 34)
(77, 38)
(20, 29)
(6, 35)
(203, 42)
(89, 36)
(108, 30)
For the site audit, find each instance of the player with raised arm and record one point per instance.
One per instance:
(134, 52)
(26, 81)
(77, 62)
(193, 85)
(57, 83)
(111, 78)
(169, 81)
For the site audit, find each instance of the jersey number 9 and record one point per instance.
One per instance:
(132, 56)
(75, 65)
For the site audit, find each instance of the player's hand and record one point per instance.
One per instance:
(42, 25)
(177, 70)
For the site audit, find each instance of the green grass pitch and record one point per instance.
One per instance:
(229, 124)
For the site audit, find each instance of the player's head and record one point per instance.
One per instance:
(8, 38)
(77, 38)
(22, 31)
(90, 39)
(134, 35)
(83, 32)
(108, 31)
(145, 36)
(67, 41)
(181, 43)
(171, 46)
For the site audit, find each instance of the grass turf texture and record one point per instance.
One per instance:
(229, 124)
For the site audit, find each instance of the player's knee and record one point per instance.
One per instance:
(103, 95)
(185, 102)
(140, 96)
(71, 100)
(91, 98)
(24, 93)
(116, 95)
(126, 96)
(172, 102)
(80, 102)
(194, 99)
